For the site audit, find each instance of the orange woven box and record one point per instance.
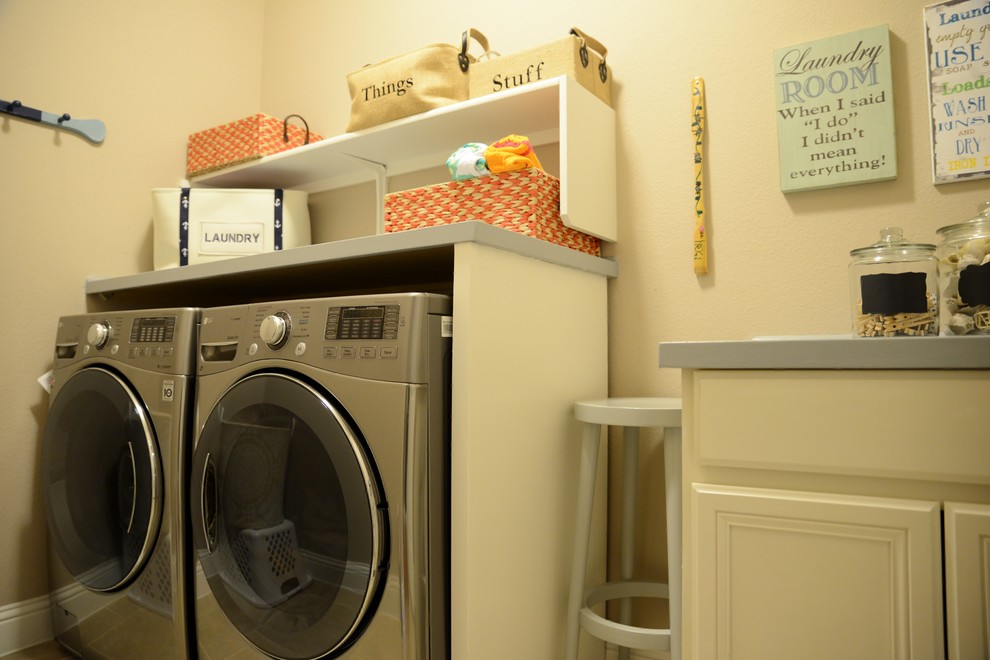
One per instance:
(523, 201)
(243, 140)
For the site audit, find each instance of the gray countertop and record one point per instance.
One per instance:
(830, 352)
(419, 259)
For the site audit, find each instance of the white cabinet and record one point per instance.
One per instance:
(813, 510)
(786, 574)
(967, 580)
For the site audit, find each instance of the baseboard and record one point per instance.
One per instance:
(612, 653)
(25, 624)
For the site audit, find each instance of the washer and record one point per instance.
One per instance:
(114, 453)
(320, 479)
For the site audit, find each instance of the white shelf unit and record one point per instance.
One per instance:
(531, 337)
(555, 110)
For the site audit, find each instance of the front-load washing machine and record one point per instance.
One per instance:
(115, 448)
(319, 488)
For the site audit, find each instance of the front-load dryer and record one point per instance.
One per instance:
(114, 451)
(319, 487)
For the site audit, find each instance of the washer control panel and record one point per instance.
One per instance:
(363, 322)
(369, 336)
(153, 329)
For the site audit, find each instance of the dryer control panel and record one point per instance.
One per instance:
(161, 340)
(383, 337)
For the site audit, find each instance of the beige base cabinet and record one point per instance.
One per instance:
(776, 569)
(836, 513)
(967, 577)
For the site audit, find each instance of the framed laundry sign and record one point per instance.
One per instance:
(835, 111)
(958, 37)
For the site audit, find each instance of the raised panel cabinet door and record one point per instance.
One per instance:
(780, 575)
(967, 580)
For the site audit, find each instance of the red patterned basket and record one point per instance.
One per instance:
(243, 140)
(523, 201)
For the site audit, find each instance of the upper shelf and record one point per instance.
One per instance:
(556, 110)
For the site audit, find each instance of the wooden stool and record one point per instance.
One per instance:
(632, 413)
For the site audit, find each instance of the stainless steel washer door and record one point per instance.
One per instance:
(101, 474)
(289, 520)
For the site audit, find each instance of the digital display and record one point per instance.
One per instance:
(362, 313)
(153, 330)
(373, 322)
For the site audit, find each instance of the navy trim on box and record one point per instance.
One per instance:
(184, 227)
(278, 219)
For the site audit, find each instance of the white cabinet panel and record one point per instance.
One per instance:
(785, 574)
(967, 580)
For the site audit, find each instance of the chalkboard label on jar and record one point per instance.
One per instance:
(894, 293)
(974, 285)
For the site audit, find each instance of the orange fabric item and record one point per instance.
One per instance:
(513, 152)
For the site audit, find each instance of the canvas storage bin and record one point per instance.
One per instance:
(404, 85)
(246, 139)
(200, 225)
(577, 55)
(524, 201)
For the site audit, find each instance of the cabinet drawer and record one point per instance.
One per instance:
(932, 425)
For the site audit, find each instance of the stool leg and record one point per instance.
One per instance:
(591, 438)
(630, 474)
(672, 476)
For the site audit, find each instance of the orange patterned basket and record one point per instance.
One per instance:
(524, 201)
(243, 140)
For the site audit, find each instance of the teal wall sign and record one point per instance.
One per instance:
(835, 111)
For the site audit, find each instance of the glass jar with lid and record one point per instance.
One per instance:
(894, 287)
(964, 275)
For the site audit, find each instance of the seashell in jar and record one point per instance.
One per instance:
(968, 260)
(976, 248)
(961, 324)
(950, 285)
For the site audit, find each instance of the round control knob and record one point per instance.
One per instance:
(98, 334)
(275, 330)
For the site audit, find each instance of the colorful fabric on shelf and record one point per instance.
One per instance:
(513, 152)
(468, 162)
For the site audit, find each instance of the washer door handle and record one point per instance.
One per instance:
(208, 503)
(127, 487)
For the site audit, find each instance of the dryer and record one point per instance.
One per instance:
(114, 453)
(319, 488)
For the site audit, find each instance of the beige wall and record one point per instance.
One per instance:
(153, 72)
(154, 75)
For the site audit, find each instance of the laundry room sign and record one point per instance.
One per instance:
(958, 38)
(835, 111)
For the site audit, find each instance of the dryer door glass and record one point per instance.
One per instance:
(289, 522)
(101, 474)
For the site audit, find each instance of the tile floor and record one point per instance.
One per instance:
(46, 651)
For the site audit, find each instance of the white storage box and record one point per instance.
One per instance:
(200, 225)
